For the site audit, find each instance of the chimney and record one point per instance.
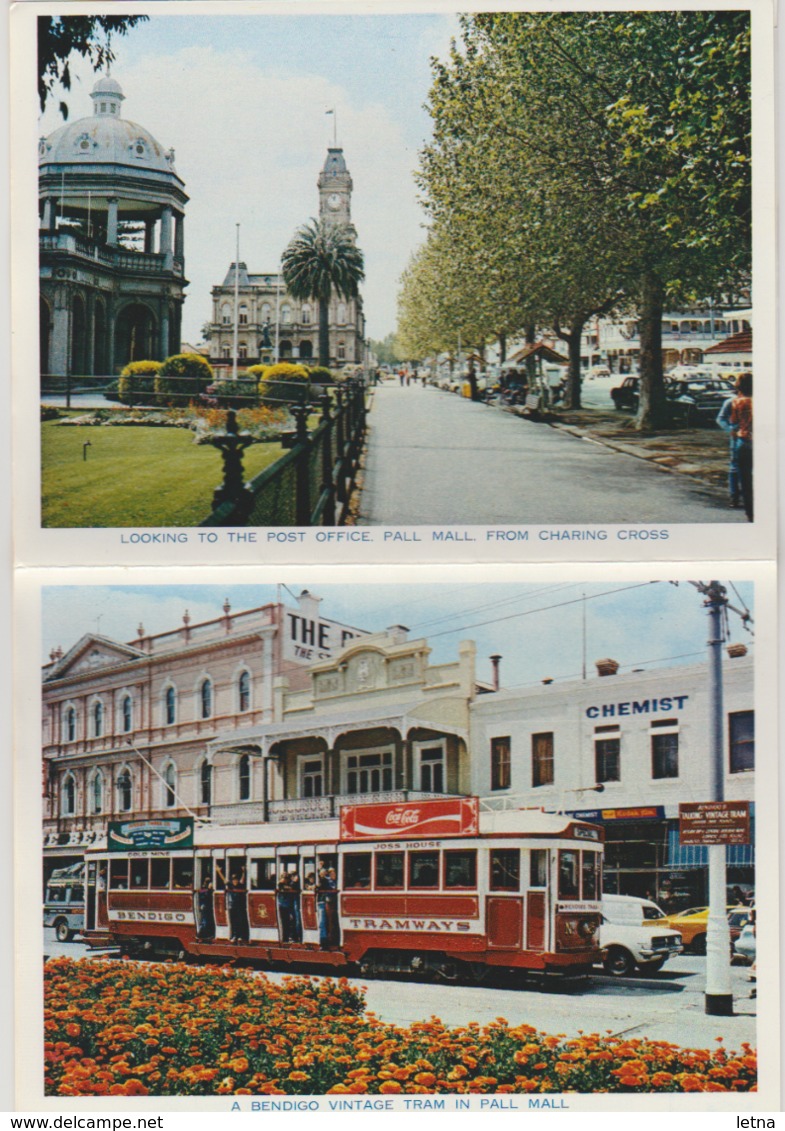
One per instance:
(227, 608)
(607, 667)
(56, 654)
(187, 624)
(398, 632)
(736, 651)
(495, 661)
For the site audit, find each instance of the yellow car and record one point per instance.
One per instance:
(692, 925)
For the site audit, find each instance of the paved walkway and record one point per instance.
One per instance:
(437, 459)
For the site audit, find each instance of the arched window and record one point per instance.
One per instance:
(226, 351)
(127, 713)
(98, 719)
(70, 724)
(341, 313)
(97, 792)
(124, 790)
(206, 783)
(206, 698)
(341, 351)
(244, 691)
(306, 315)
(266, 311)
(170, 781)
(244, 775)
(243, 316)
(68, 801)
(170, 706)
(242, 350)
(226, 314)
(286, 313)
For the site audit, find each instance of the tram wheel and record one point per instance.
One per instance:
(478, 971)
(448, 971)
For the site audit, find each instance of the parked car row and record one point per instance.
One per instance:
(692, 400)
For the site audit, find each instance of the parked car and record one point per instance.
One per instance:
(693, 924)
(597, 371)
(633, 933)
(627, 394)
(698, 400)
(64, 902)
(738, 918)
(746, 945)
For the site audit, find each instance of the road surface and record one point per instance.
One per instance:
(437, 459)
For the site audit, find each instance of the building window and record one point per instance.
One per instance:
(170, 706)
(206, 698)
(242, 351)
(341, 351)
(369, 772)
(206, 783)
(665, 754)
(127, 713)
(741, 735)
(70, 725)
(98, 720)
(226, 314)
(607, 759)
(124, 791)
(244, 691)
(169, 786)
(266, 311)
(244, 776)
(286, 314)
(97, 792)
(542, 759)
(306, 316)
(500, 763)
(312, 780)
(341, 316)
(226, 351)
(243, 319)
(431, 768)
(69, 795)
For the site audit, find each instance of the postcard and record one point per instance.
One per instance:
(347, 841)
(359, 283)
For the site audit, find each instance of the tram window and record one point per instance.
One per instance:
(159, 872)
(357, 870)
(389, 870)
(589, 875)
(423, 869)
(236, 868)
(204, 870)
(263, 874)
(460, 868)
(309, 873)
(538, 868)
(140, 873)
(118, 874)
(505, 869)
(182, 872)
(568, 875)
(220, 875)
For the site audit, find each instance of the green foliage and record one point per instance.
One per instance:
(49, 412)
(385, 350)
(285, 383)
(89, 36)
(136, 384)
(320, 375)
(257, 371)
(182, 377)
(233, 394)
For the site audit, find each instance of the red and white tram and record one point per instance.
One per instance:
(438, 887)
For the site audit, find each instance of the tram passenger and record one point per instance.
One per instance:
(287, 899)
(326, 906)
(205, 916)
(237, 908)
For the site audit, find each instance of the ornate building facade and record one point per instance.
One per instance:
(268, 316)
(111, 243)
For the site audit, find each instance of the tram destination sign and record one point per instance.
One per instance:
(174, 832)
(714, 822)
(455, 816)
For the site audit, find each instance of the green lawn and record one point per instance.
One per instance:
(132, 476)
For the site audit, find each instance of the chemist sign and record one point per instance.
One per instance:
(714, 822)
(311, 639)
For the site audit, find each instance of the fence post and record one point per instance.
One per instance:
(328, 514)
(302, 483)
(340, 469)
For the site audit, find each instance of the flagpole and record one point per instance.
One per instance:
(236, 298)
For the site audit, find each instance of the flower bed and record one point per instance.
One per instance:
(132, 1029)
(262, 423)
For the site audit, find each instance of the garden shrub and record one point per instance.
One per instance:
(231, 394)
(136, 384)
(257, 372)
(181, 378)
(285, 383)
(49, 412)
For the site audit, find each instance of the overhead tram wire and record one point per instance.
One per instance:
(495, 604)
(542, 609)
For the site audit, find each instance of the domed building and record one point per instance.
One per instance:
(111, 243)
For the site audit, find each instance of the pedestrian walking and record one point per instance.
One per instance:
(734, 476)
(741, 419)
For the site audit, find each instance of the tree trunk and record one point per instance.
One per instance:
(531, 367)
(572, 397)
(652, 410)
(324, 332)
(502, 348)
(472, 375)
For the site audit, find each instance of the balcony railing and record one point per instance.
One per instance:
(312, 808)
(141, 262)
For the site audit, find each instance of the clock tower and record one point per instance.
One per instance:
(335, 189)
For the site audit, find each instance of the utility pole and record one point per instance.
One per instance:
(236, 300)
(719, 996)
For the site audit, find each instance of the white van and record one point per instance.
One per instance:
(64, 902)
(632, 934)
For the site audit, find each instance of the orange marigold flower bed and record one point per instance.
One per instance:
(128, 1029)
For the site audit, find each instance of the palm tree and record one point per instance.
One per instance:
(322, 258)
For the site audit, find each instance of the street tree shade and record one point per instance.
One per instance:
(61, 36)
(323, 258)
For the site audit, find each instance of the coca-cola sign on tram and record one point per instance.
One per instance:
(453, 816)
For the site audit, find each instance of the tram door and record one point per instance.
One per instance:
(219, 897)
(504, 904)
(308, 918)
(288, 893)
(537, 901)
(91, 884)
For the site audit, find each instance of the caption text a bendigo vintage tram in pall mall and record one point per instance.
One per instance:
(439, 887)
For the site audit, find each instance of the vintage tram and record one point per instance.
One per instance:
(439, 887)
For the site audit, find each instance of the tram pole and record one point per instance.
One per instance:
(718, 995)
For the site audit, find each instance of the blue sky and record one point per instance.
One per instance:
(538, 629)
(242, 100)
